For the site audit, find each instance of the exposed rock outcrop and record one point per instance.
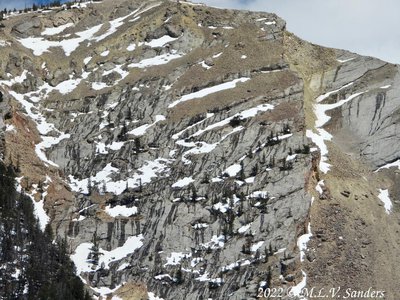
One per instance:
(177, 147)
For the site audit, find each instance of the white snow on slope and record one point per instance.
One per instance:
(102, 148)
(177, 135)
(257, 246)
(302, 245)
(56, 30)
(114, 25)
(118, 69)
(200, 225)
(342, 61)
(176, 258)
(97, 86)
(297, 290)
(38, 206)
(319, 186)
(390, 165)
(321, 109)
(215, 243)
(210, 90)
(233, 170)
(236, 264)
(258, 194)
(46, 143)
(81, 254)
(321, 135)
(4, 43)
(131, 47)
(31, 103)
(183, 182)
(326, 95)
(121, 210)
(152, 296)
(40, 213)
(248, 113)
(160, 41)
(204, 65)
(40, 45)
(139, 131)
(104, 291)
(105, 53)
(384, 197)
(302, 242)
(10, 128)
(67, 86)
(143, 175)
(319, 139)
(87, 60)
(244, 228)
(203, 147)
(156, 61)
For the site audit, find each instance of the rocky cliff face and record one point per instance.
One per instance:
(178, 149)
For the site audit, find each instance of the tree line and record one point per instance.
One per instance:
(32, 265)
(36, 7)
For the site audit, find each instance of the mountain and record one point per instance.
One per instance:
(189, 152)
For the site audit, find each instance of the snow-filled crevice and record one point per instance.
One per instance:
(319, 136)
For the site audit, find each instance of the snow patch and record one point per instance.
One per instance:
(257, 246)
(87, 60)
(40, 45)
(160, 41)
(342, 61)
(319, 186)
(156, 61)
(183, 182)
(139, 131)
(103, 179)
(215, 243)
(105, 53)
(210, 90)
(233, 170)
(321, 135)
(244, 228)
(297, 290)
(56, 30)
(81, 254)
(176, 257)
(152, 296)
(121, 210)
(384, 197)
(390, 165)
(302, 242)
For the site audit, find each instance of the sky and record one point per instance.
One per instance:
(367, 27)
(20, 4)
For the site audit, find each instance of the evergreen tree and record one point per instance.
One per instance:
(36, 268)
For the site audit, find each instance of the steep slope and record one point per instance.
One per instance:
(32, 264)
(172, 145)
(354, 101)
